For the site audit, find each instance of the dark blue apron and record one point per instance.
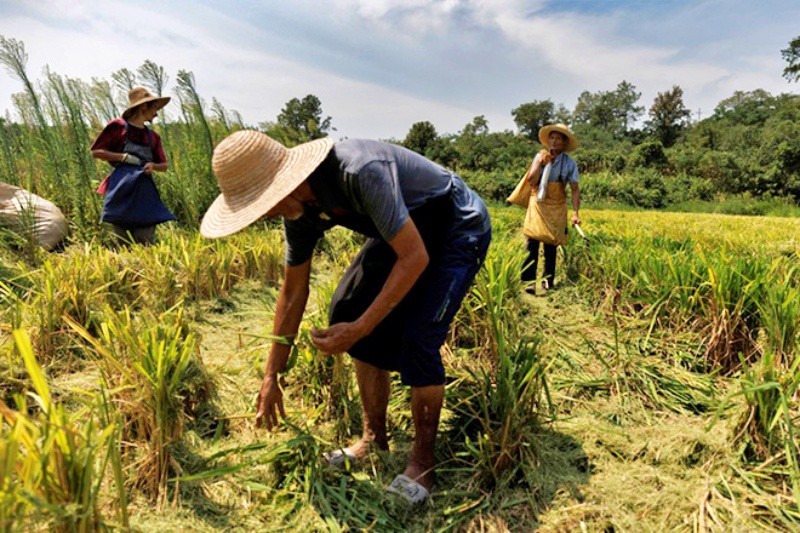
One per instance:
(132, 200)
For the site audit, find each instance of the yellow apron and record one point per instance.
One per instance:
(546, 221)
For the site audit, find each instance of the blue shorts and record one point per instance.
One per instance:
(409, 338)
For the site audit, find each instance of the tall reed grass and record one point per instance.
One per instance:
(48, 153)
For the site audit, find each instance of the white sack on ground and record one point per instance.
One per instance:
(32, 215)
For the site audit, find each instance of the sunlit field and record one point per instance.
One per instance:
(655, 388)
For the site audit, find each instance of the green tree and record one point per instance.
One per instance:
(478, 126)
(421, 137)
(531, 116)
(746, 107)
(792, 56)
(562, 115)
(668, 116)
(614, 111)
(299, 121)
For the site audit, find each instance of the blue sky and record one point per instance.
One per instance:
(378, 66)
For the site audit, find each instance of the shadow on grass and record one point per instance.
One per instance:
(194, 496)
(461, 500)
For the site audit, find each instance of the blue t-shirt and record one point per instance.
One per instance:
(370, 187)
(564, 169)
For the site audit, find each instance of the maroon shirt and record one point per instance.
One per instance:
(112, 138)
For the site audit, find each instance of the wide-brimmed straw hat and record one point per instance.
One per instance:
(140, 95)
(544, 133)
(254, 173)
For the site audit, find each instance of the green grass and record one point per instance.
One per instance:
(591, 408)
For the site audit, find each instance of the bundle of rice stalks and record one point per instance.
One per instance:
(730, 310)
(765, 426)
(779, 310)
(328, 380)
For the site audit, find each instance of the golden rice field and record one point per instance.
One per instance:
(656, 389)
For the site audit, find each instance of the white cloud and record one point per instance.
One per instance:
(380, 65)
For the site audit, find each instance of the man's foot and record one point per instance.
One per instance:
(545, 285)
(353, 453)
(420, 474)
(414, 485)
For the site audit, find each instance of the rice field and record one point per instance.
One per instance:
(655, 389)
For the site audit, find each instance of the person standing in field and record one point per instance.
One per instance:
(428, 235)
(132, 204)
(546, 219)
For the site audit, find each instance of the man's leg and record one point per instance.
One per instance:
(122, 236)
(426, 406)
(373, 386)
(529, 270)
(550, 264)
(144, 235)
(439, 298)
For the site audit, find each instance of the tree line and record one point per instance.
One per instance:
(642, 156)
(651, 158)
(749, 145)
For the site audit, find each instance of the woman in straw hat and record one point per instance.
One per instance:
(428, 234)
(132, 204)
(546, 219)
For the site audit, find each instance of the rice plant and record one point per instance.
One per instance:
(149, 368)
(498, 413)
(52, 462)
(484, 320)
(328, 380)
(498, 408)
(779, 311)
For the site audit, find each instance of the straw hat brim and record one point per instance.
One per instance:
(162, 101)
(544, 134)
(233, 212)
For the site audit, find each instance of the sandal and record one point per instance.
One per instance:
(340, 458)
(408, 489)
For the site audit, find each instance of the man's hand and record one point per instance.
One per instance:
(336, 339)
(545, 157)
(270, 403)
(148, 167)
(576, 220)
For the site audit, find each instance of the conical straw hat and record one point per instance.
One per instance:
(138, 96)
(544, 133)
(254, 173)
